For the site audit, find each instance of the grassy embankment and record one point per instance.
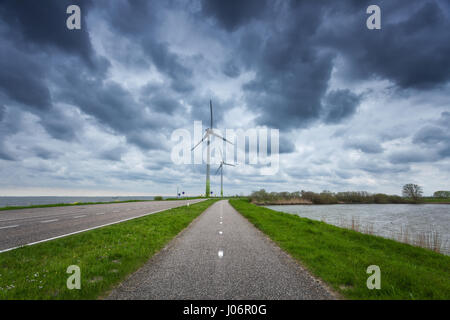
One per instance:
(341, 257)
(89, 203)
(105, 256)
(436, 200)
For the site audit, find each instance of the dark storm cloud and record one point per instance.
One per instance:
(339, 105)
(292, 72)
(293, 55)
(130, 18)
(232, 14)
(22, 79)
(169, 64)
(43, 25)
(114, 107)
(10, 123)
(411, 49)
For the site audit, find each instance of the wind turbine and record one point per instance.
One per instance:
(222, 163)
(209, 132)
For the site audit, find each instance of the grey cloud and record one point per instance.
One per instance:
(232, 14)
(431, 135)
(340, 105)
(44, 153)
(169, 63)
(114, 154)
(435, 137)
(159, 99)
(5, 154)
(231, 70)
(44, 26)
(409, 156)
(130, 18)
(365, 145)
(412, 51)
(23, 80)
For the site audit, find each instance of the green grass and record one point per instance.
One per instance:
(105, 256)
(438, 200)
(341, 257)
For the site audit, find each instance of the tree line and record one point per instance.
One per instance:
(411, 193)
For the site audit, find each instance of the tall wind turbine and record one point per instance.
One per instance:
(209, 132)
(222, 163)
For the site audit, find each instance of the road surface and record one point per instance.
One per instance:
(221, 256)
(25, 226)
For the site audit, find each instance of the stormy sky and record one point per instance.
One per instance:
(92, 111)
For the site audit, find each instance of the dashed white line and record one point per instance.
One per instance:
(220, 222)
(220, 232)
(220, 253)
(8, 227)
(76, 217)
(99, 213)
(48, 221)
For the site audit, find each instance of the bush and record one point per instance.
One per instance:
(441, 194)
(158, 198)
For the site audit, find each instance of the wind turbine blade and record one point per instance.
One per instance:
(210, 107)
(229, 164)
(203, 139)
(219, 168)
(219, 136)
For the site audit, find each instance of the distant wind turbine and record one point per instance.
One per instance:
(222, 163)
(209, 132)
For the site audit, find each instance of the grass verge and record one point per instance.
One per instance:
(340, 257)
(105, 256)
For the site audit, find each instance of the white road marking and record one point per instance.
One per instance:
(220, 232)
(7, 227)
(76, 217)
(220, 253)
(99, 213)
(220, 222)
(48, 221)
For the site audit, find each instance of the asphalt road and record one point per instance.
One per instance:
(25, 226)
(221, 256)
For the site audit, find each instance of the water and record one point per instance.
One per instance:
(29, 201)
(386, 220)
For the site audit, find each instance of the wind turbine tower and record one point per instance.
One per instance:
(209, 132)
(222, 163)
